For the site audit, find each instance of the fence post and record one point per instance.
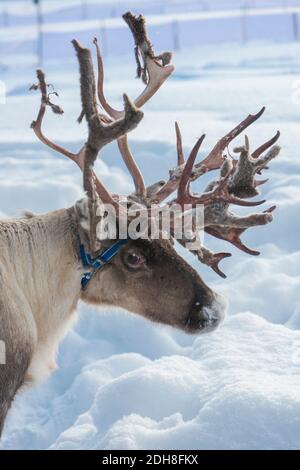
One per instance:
(176, 35)
(244, 23)
(295, 26)
(39, 20)
(84, 9)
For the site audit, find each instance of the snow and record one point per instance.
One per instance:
(123, 382)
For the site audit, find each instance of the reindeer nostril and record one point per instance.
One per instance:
(205, 315)
(197, 305)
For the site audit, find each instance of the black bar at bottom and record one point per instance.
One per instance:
(133, 459)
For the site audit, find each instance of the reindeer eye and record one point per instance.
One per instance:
(134, 260)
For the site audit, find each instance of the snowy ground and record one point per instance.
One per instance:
(122, 382)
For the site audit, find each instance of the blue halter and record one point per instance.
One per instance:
(99, 262)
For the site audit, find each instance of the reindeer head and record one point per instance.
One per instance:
(147, 276)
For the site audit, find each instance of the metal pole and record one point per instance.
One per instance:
(244, 23)
(84, 9)
(176, 35)
(295, 26)
(39, 23)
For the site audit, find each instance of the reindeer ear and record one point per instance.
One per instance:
(106, 224)
(82, 213)
(84, 226)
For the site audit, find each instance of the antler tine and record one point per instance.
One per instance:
(79, 157)
(127, 156)
(262, 148)
(140, 188)
(155, 72)
(89, 109)
(243, 183)
(260, 182)
(154, 75)
(232, 235)
(113, 113)
(37, 124)
(213, 161)
(183, 195)
(100, 134)
(219, 193)
(206, 256)
(215, 158)
(215, 260)
(180, 154)
(166, 189)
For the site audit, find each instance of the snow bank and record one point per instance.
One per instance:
(123, 382)
(236, 389)
(230, 392)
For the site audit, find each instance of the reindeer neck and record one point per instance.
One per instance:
(42, 261)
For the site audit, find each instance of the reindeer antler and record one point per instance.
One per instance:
(237, 182)
(100, 133)
(213, 161)
(237, 176)
(153, 74)
(104, 129)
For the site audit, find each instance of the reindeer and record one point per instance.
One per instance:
(49, 262)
